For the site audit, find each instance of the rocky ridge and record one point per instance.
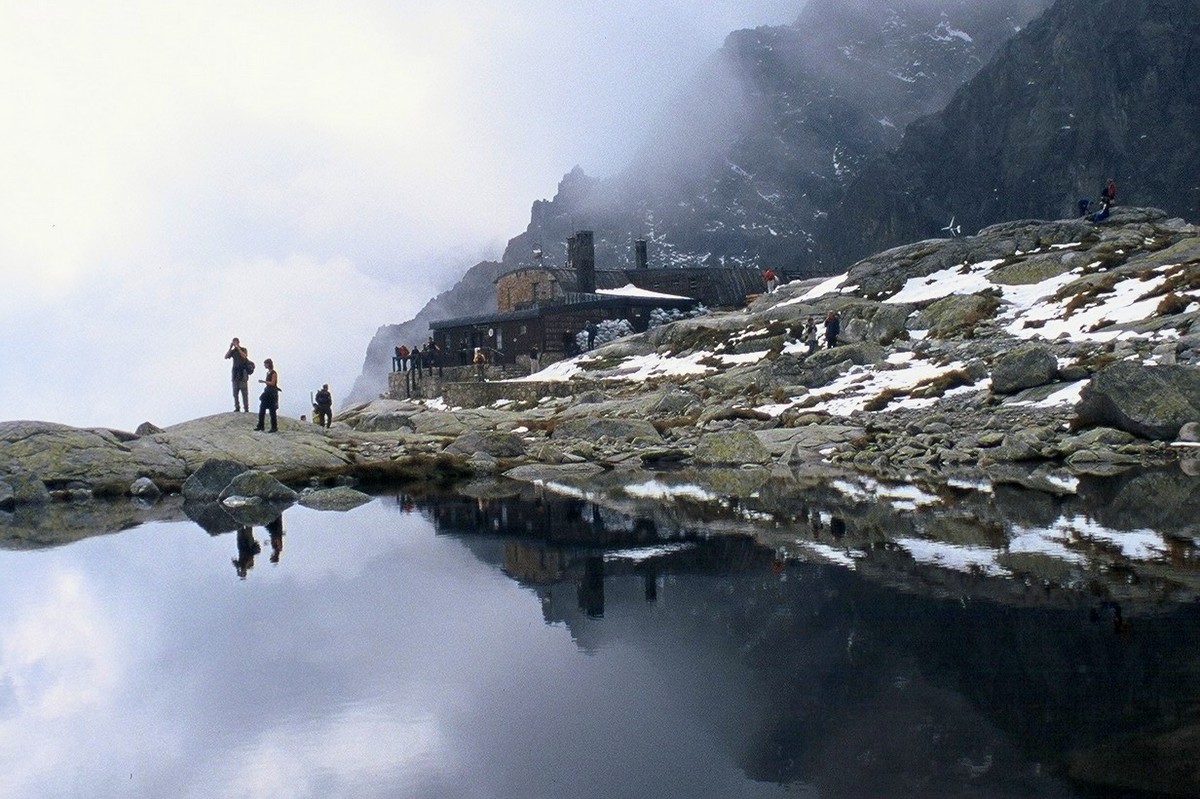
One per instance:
(1031, 351)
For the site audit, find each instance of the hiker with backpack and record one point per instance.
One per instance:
(243, 367)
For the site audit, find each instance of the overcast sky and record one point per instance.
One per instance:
(294, 173)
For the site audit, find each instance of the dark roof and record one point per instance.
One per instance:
(574, 302)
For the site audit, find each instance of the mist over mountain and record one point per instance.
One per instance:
(870, 123)
(1088, 91)
(744, 166)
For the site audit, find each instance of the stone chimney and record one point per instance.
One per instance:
(581, 253)
(639, 254)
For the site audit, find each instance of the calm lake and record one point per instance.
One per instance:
(544, 647)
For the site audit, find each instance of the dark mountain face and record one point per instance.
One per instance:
(1090, 90)
(744, 167)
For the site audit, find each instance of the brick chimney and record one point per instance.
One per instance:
(639, 254)
(581, 252)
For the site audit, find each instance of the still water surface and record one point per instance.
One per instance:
(426, 650)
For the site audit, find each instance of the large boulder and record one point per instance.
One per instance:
(104, 461)
(257, 485)
(1149, 401)
(956, 315)
(206, 483)
(1027, 366)
(22, 488)
(495, 443)
(731, 448)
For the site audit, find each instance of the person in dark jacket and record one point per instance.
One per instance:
(268, 401)
(833, 326)
(323, 407)
(241, 375)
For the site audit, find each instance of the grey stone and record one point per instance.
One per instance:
(144, 488)
(491, 442)
(730, 447)
(257, 484)
(955, 315)
(1189, 432)
(1149, 401)
(147, 429)
(544, 472)
(206, 483)
(337, 499)
(1027, 366)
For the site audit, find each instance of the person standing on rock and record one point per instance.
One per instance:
(268, 401)
(833, 326)
(771, 279)
(480, 361)
(241, 375)
(323, 407)
(810, 335)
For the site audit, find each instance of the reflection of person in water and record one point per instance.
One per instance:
(247, 548)
(275, 528)
(1120, 625)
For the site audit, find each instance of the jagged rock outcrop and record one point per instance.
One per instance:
(744, 165)
(1089, 90)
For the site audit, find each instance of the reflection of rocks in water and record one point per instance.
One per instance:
(213, 517)
(1162, 761)
(554, 517)
(1165, 500)
(999, 541)
(259, 514)
(37, 526)
(217, 518)
(1027, 508)
(867, 684)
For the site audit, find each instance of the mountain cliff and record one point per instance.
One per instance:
(1089, 90)
(744, 166)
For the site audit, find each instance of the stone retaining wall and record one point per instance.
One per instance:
(476, 394)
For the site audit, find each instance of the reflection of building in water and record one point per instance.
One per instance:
(559, 520)
(551, 540)
(590, 588)
(528, 562)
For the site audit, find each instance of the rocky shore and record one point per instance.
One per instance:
(1032, 354)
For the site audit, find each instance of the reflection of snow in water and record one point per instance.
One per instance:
(904, 497)
(1134, 544)
(641, 554)
(1043, 542)
(654, 489)
(828, 554)
(954, 556)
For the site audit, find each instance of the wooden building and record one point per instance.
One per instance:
(543, 308)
